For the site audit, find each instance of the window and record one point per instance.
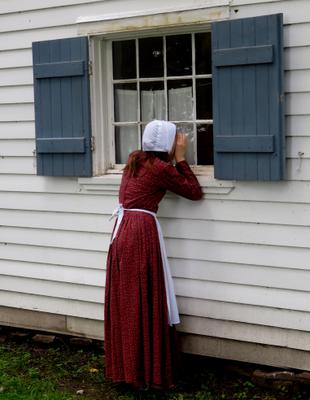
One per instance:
(167, 76)
(163, 77)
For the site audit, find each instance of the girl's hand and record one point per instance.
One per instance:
(180, 147)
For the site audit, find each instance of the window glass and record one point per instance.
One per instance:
(189, 130)
(179, 55)
(125, 102)
(203, 53)
(151, 59)
(124, 59)
(180, 100)
(126, 141)
(204, 98)
(165, 84)
(152, 99)
(205, 144)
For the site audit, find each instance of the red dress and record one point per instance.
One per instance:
(140, 346)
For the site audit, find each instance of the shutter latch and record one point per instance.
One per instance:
(92, 143)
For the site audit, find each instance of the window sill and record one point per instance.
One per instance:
(108, 184)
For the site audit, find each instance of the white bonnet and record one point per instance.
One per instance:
(158, 136)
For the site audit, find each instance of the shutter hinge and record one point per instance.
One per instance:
(92, 143)
(90, 67)
(281, 98)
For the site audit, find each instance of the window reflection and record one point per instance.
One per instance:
(204, 98)
(179, 55)
(205, 144)
(203, 53)
(151, 59)
(124, 59)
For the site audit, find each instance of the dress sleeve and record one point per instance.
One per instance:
(181, 180)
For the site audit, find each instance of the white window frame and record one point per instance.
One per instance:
(101, 31)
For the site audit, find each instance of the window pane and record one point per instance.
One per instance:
(189, 130)
(125, 102)
(204, 98)
(179, 55)
(180, 99)
(126, 141)
(151, 60)
(152, 101)
(205, 144)
(203, 53)
(124, 59)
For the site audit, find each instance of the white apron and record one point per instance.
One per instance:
(173, 313)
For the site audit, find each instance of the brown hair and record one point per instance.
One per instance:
(138, 158)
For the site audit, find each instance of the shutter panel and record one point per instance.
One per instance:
(62, 107)
(248, 109)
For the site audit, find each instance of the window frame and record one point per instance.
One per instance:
(102, 98)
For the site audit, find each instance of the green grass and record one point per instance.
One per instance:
(56, 373)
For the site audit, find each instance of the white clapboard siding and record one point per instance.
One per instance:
(56, 220)
(246, 332)
(23, 40)
(17, 130)
(39, 184)
(298, 169)
(17, 148)
(17, 165)
(68, 291)
(16, 112)
(296, 35)
(49, 238)
(297, 145)
(16, 94)
(233, 211)
(239, 260)
(57, 16)
(246, 294)
(243, 253)
(266, 276)
(16, 58)
(297, 58)
(17, 6)
(58, 202)
(53, 255)
(55, 273)
(244, 313)
(240, 211)
(16, 76)
(297, 81)
(292, 13)
(297, 125)
(52, 305)
(297, 103)
(224, 231)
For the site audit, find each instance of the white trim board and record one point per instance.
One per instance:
(155, 11)
(146, 20)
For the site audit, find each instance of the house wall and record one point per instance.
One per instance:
(239, 257)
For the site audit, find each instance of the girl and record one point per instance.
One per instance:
(140, 306)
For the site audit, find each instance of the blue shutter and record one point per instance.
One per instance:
(248, 109)
(62, 107)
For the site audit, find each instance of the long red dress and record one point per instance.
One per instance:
(140, 346)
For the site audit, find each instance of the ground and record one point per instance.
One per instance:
(61, 371)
